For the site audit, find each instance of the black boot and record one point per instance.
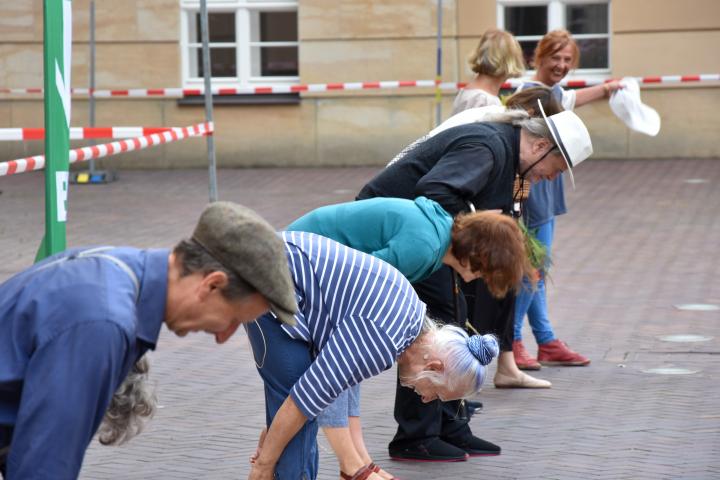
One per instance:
(433, 450)
(474, 446)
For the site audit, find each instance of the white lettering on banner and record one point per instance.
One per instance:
(62, 79)
(63, 91)
(61, 187)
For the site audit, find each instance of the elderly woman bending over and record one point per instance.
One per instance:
(417, 237)
(357, 317)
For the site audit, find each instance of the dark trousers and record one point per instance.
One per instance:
(488, 314)
(418, 421)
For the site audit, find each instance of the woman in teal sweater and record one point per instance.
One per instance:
(417, 237)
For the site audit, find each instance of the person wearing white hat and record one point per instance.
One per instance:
(571, 138)
(464, 167)
(556, 54)
(489, 314)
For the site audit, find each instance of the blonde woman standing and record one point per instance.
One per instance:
(497, 57)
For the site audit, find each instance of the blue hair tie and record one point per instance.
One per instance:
(483, 347)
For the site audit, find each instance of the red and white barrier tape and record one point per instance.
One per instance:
(331, 87)
(83, 133)
(98, 151)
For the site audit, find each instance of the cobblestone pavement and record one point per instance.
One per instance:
(642, 237)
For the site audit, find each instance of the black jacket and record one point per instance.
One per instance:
(474, 163)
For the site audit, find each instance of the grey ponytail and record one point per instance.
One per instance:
(535, 126)
(131, 406)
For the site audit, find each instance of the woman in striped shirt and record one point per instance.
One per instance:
(357, 316)
(417, 237)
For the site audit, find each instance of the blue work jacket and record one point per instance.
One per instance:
(71, 327)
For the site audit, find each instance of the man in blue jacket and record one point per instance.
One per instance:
(73, 325)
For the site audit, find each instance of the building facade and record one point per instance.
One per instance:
(156, 44)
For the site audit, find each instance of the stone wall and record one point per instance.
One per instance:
(353, 40)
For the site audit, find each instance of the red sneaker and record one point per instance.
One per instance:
(522, 358)
(558, 353)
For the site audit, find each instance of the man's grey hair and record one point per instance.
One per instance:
(131, 406)
(194, 258)
(535, 126)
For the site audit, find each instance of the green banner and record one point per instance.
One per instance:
(57, 30)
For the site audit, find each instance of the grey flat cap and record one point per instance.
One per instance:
(243, 242)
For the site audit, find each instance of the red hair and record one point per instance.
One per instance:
(553, 42)
(493, 245)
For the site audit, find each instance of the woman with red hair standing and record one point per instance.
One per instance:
(555, 55)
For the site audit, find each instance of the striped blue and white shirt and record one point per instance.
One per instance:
(357, 312)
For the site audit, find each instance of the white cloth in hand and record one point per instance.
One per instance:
(627, 106)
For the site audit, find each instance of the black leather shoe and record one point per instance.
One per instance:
(434, 450)
(474, 446)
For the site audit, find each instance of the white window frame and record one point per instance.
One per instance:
(556, 19)
(243, 44)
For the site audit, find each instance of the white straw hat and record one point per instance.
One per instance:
(571, 137)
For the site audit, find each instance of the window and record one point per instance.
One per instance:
(252, 42)
(587, 21)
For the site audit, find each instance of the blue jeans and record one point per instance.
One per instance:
(281, 361)
(534, 303)
(347, 404)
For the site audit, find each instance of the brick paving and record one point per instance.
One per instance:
(639, 240)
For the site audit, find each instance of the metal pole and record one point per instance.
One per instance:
(57, 47)
(207, 73)
(438, 72)
(91, 98)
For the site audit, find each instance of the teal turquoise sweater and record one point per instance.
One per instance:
(411, 235)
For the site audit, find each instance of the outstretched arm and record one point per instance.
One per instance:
(596, 92)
